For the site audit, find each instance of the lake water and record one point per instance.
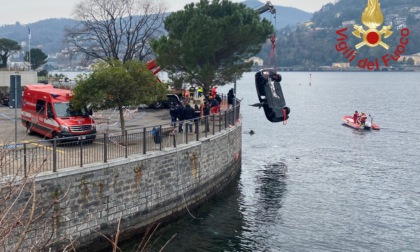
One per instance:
(344, 189)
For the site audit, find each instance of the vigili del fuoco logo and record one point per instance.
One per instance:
(373, 35)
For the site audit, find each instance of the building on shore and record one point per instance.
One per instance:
(257, 61)
(340, 65)
(415, 57)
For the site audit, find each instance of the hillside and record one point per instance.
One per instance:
(45, 34)
(313, 44)
(48, 34)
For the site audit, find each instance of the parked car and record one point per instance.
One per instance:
(5, 100)
(172, 99)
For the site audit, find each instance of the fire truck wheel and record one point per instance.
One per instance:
(29, 130)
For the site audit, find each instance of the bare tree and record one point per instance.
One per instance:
(115, 29)
(28, 213)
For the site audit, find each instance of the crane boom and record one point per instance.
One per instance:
(266, 7)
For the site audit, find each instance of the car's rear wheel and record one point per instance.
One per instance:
(172, 101)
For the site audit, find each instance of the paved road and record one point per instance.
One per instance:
(106, 120)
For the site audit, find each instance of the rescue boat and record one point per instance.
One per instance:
(348, 121)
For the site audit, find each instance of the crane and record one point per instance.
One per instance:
(267, 82)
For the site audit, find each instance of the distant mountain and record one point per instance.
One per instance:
(333, 15)
(45, 34)
(314, 43)
(48, 34)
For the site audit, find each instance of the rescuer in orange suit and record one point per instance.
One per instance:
(355, 116)
(363, 118)
(213, 91)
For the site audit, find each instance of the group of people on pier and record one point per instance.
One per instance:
(201, 107)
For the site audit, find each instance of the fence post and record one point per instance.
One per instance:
(55, 155)
(220, 121)
(24, 158)
(126, 143)
(232, 116)
(160, 137)
(186, 132)
(144, 140)
(226, 125)
(213, 124)
(175, 139)
(105, 147)
(206, 125)
(81, 152)
(197, 129)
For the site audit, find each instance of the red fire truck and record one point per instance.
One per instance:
(47, 111)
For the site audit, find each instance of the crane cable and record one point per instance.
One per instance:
(273, 55)
(273, 44)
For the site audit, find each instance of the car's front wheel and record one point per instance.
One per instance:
(157, 105)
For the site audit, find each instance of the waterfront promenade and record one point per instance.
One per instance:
(33, 153)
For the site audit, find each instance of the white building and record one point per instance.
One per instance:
(415, 57)
(341, 65)
(348, 23)
(257, 61)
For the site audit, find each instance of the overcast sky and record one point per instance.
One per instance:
(29, 11)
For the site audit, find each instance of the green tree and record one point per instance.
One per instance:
(38, 58)
(115, 84)
(7, 48)
(43, 73)
(410, 61)
(207, 44)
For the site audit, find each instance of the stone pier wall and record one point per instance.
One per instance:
(140, 190)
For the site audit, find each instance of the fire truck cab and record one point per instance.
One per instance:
(47, 111)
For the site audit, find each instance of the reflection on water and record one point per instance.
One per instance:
(272, 186)
(313, 184)
(221, 211)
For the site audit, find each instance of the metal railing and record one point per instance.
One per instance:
(51, 155)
